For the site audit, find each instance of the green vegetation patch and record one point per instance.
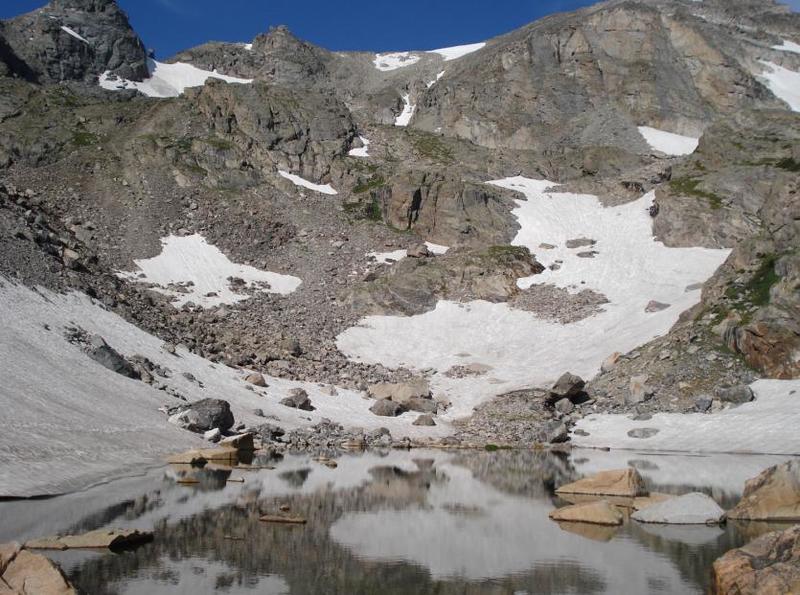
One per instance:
(688, 186)
(372, 183)
(83, 138)
(432, 147)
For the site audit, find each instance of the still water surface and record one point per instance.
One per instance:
(394, 522)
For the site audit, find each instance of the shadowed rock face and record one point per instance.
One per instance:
(39, 48)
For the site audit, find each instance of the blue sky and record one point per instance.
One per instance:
(172, 25)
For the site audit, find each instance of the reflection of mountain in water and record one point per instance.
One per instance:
(404, 522)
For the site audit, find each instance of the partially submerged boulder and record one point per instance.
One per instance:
(99, 539)
(201, 456)
(616, 482)
(601, 512)
(770, 565)
(772, 496)
(690, 509)
(28, 573)
(204, 415)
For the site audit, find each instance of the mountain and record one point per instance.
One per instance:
(610, 192)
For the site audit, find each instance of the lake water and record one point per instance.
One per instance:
(397, 522)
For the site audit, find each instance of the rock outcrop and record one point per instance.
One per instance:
(769, 565)
(772, 496)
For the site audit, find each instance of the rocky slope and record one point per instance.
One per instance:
(94, 180)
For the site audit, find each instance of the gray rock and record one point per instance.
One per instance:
(554, 432)
(654, 306)
(643, 433)
(690, 509)
(580, 243)
(298, 399)
(703, 403)
(267, 433)
(387, 408)
(424, 420)
(566, 387)
(109, 358)
(213, 435)
(639, 391)
(564, 406)
(202, 416)
(418, 251)
(735, 394)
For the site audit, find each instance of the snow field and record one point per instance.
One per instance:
(167, 80)
(630, 268)
(191, 259)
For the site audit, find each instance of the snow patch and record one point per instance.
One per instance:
(788, 46)
(669, 143)
(784, 83)
(360, 151)
(457, 51)
(77, 423)
(74, 34)
(248, 47)
(189, 269)
(434, 81)
(630, 268)
(408, 111)
(394, 60)
(395, 255)
(167, 80)
(767, 425)
(302, 182)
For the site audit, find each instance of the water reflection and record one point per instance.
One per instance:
(395, 522)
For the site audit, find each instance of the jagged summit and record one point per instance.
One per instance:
(73, 40)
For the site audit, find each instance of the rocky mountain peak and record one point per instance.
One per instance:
(74, 40)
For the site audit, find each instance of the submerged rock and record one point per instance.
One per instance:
(770, 565)
(601, 512)
(617, 482)
(99, 539)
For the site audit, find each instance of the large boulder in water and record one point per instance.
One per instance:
(690, 509)
(618, 482)
(772, 496)
(601, 512)
(770, 565)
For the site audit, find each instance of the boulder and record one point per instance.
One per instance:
(564, 406)
(387, 408)
(643, 433)
(566, 387)
(401, 392)
(256, 379)
(108, 357)
(201, 456)
(243, 442)
(638, 392)
(642, 502)
(31, 573)
(298, 399)
(213, 435)
(616, 482)
(424, 420)
(601, 512)
(422, 405)
(8, 552)
(690, 509)
(735, 394)
(772, 496)
(654, 306)
(99, 539)
(418, 251)
(770, 565)
(611, 362)
(204, 415)
(554, 432)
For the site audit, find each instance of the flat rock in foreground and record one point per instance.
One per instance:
(601, 512)
(770, 565)
(772, 496)
(100, 539)
(30, 573)
(617, 482)
(690, 509)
